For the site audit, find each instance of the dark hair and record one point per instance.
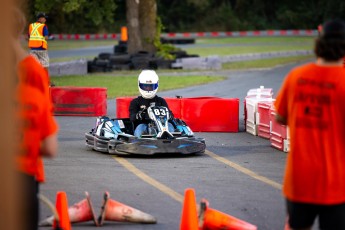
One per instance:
(330, 45)
(41, 15)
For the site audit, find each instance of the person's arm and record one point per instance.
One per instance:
(49, 146)
(281, 103)
(133, 110)
(45, 32)
(49, 129)
(280, 119)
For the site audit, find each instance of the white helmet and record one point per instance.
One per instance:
(148, 83)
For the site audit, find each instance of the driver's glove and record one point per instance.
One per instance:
(139, 115)
(142, 115)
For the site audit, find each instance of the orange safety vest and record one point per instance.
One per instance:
(37, 39)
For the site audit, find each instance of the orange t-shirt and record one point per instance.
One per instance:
(31, 73)
(35, 123)
(312, 100)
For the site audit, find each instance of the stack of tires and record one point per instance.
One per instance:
(121, 60)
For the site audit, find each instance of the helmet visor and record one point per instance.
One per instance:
(148, 87)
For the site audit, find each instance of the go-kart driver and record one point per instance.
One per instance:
(148, 86)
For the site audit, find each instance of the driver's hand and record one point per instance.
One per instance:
(141, 115)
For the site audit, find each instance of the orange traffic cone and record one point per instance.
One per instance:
(124, 34)
(115, 211)
(79, 212)
(62, 209)
(189, 218)
(210, 219)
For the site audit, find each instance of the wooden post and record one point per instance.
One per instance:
(9, 183)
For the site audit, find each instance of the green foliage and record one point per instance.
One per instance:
(76, 16)
(163, 50)
(92, 16)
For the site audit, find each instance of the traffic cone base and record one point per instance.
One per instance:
(79, 212)
(189, 217)
(82, 211)
(115, 211)
(214, 219)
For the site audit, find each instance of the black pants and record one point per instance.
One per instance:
(303, 215)
(29, 208)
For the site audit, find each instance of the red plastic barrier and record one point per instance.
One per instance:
(203, 114)
(175, 106)
(279, 133)
(211, 114)
(122, 106)
(79, 101)
(264, 119)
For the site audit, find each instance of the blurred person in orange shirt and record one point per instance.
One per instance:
(311, 103)
(38, 127)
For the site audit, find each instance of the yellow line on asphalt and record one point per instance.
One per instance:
(244, 170)
(163, 188)
(178, 197)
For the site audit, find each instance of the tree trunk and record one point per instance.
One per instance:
(148, 24)
(132, 14)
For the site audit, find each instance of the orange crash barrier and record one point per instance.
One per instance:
(211, 114)
(79, 101)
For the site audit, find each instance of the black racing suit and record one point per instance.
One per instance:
(140, 103)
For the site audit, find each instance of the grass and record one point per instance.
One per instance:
(121, 86)
(244, 40)
(232, 50)
(72, 44)
(265, 63)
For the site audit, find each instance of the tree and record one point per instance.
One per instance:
(75, 16)
(142, 25)
(148, 24)
(132, 13)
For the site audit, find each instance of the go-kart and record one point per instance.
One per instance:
(116, 136)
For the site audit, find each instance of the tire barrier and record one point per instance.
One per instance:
(121, 60)
(202, 114)
(79, 101)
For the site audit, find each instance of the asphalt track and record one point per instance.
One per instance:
(239, 174)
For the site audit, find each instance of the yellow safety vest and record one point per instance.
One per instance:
(37, 39)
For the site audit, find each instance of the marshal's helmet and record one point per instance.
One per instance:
(148, 83)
